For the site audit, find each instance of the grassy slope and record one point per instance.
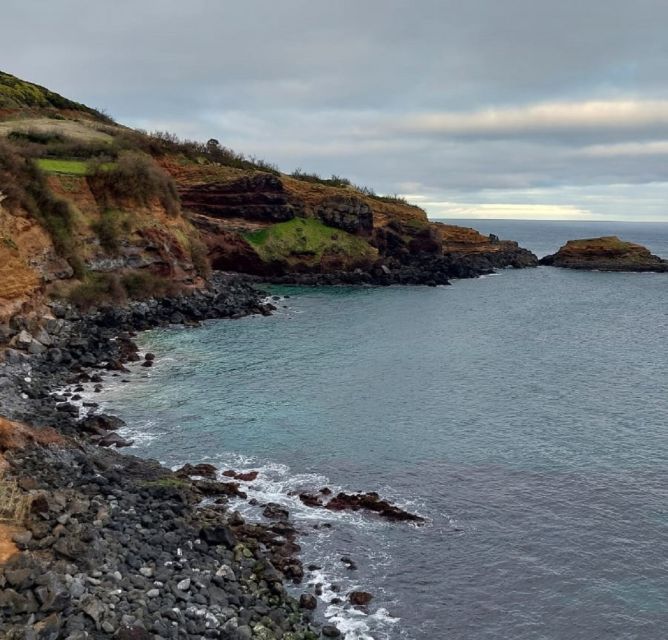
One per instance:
(308, 240)
(19, 94)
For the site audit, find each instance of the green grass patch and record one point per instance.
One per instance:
(69, 167)
(308, 240)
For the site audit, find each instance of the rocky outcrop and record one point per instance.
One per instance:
(346, 212)
(607, 253)
(259, 196)
(370, 501)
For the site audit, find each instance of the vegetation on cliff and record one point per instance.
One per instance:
(309, 242)
(115, 200)
(19, 94)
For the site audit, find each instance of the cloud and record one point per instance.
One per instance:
(569, 118)
(629, 149)
(541, 103)
(505, 211)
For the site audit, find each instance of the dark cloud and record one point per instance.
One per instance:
(451, 101)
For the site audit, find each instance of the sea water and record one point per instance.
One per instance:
(524, 415)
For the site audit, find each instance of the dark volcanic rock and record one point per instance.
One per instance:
(346, 212)
(203, 469)
(260, 196)
(607, 253)
(371, 502)
(247, 476)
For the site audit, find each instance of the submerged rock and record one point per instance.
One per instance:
(607, 253)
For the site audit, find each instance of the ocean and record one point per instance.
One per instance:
(524, 415)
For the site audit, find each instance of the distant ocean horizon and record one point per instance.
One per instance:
(546, 236)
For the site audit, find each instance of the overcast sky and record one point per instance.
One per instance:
(472, 108)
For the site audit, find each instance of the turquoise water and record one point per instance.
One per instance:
(523, 414)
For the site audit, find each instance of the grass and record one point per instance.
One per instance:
(19, 94)
(68, 167)
(308, 240)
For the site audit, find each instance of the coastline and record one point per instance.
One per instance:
(117, 545)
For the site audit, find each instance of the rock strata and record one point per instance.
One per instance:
(607, 253)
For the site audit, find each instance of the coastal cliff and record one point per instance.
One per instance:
(105, 231)
(607, 253)
(96, 212)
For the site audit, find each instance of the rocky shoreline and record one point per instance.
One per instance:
(113, 545)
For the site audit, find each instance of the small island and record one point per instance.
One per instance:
(607, 253)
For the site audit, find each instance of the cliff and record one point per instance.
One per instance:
(607, 253)
(98, 213)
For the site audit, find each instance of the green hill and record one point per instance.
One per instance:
(19, 94)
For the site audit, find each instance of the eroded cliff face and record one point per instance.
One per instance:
(230, 209)
(607, 253)
(27, 260)
(133, 237)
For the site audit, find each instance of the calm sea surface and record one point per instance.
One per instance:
(525, 415)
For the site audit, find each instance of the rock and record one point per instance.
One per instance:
(371, 502)
(311, 500)
(36, 348)
(98, 423)
(330, 631)
(275, 511)
(152, 593)
(49, 628)
(211, 488)
(607, 253)
(349, 213)
(114, 440)
(149, 356)
(226, 572)
(93, 608)
(218, 535)
(308, 601)
(23, 340)
(247, 476)
(183, 585)
(349, 562)
(360, 598)
(22, 537)
(52, 593)
(203, 469)
(20, 579)
(134, 632)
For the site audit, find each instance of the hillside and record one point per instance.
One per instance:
(99, 213)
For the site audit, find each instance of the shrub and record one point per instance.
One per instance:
(109, 229)
(134, 177)
(36, 137)
(161, 143)
(25, 187)
(98, 290)
(144, 284)
(200, 258)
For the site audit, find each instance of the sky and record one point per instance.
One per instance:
(534, 109)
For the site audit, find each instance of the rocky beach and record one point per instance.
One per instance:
(116, 546)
